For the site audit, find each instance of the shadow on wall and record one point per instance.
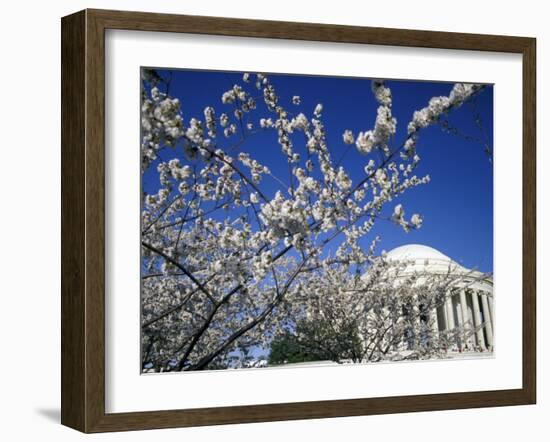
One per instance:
(51, 414)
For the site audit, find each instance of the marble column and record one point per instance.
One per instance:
(467, 337)
(435, 323)
(450, 314)
(487, 318)
(459, 321)
(477, 321)
(416, 331)
(490, 299)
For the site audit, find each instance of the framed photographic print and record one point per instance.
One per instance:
(267, 221)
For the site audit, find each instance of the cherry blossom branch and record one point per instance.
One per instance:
(182, 268)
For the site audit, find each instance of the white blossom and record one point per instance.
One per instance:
(441, 105)
(318, 110)
(381, 93)
(365, 142)
(230, 130)
(348, 137)
(343, 180)
(416, 220)
(224, 120)
(266, 122)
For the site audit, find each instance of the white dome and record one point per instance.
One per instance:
(422, 258)
(416, 252)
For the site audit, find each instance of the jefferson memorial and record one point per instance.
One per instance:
(468, 305)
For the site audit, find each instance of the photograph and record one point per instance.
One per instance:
(295, 220)
(275, 221)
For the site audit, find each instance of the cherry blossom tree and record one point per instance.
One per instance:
(386, 313)
(228, 262)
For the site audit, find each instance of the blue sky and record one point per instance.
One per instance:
(457, 205)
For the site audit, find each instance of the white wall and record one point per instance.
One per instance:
(29, 174)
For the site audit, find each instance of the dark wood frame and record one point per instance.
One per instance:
(83, 217)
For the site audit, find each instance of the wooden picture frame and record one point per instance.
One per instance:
(83, 220)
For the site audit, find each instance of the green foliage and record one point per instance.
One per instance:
(317, 341)
(286, 348)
